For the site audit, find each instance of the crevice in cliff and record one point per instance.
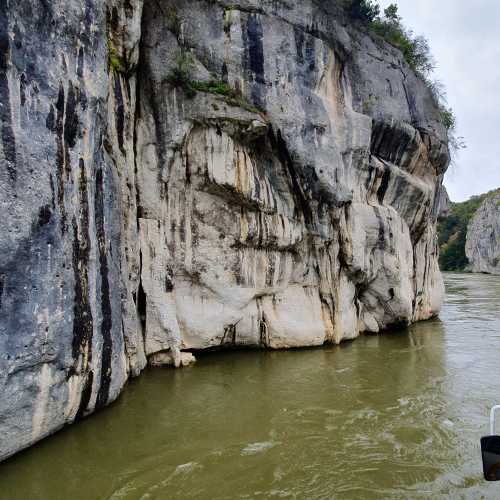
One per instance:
(142, 307)
(411, 105)
(279, 144)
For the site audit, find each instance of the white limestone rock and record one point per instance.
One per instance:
(483, 237)
(143, 222)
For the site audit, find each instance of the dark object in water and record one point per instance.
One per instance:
(490, 450)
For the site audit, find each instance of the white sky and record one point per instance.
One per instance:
(464, 36)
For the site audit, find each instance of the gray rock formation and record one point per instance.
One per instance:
(148, 212)
(444, 207)
(483, 237)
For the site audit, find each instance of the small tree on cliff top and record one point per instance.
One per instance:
(364, 10)
(416, 52)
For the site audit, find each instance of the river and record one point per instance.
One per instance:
(391, 416)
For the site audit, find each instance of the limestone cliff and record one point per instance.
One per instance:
(193, 174)
(483, 237)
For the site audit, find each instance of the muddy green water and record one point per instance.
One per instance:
(392, 416)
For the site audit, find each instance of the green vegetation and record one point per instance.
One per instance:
(415, 49)
(452, 232)
(448, 118)
(416, 52)
(174, 22)
(180, 74)
(365, 11)
(115, 62)
(180, 77)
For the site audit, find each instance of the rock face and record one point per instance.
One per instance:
(483, 237)
(150, 209)
(445, 205)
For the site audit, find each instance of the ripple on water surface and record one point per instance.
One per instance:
(391, 416)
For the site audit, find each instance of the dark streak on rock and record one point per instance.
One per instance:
(169, 284)
(71, 121)
(44, 215)
(107, 322)
(80, 65)
(254, 57)
(384, 185)
(286, 160)
(129, 8)
(381, 229)
(85, 397)
(229, 337)
(50, 121)
(2, 285)
(22, 89)
(263, 331)
(368, 182)
(8, 138)
(119, 112)
(299, 44)
(306, 57)
(60, 155)
(82, 312)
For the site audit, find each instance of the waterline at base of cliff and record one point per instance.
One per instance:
(184, 175)
(391, 416)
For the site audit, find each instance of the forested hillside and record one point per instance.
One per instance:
(452, 232)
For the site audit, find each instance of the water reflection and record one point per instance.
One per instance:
(387, 416)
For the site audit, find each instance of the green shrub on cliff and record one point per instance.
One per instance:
(364, 10)
(415, 49)
(180, 76)
(115, 62)
(416, 52)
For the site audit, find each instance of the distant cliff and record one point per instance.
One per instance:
(195, 174)
(452, 229)
(483, 237)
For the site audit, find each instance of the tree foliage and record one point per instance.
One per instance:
(416, 52)
(365, 11)
(415, 49)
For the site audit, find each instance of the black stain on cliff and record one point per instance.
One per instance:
(50, 121)
(8, 138)
(82, 312)
(64, 122)
(86, 395)
(306, 56)
(60, 153)
(22, 89)
(2, 285)
(71, 121)
(279, 145)
(107, 322)
(381, 229)
(119, 112)
(253, 60)
(44, 215)
(80, 64)
(384, 185)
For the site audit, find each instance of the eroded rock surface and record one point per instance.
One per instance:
(141, 221)
(483, 237)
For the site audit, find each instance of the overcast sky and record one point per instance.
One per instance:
(464, 36)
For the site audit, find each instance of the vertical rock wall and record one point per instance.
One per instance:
(294, 207)
(62, 344)
(483, 237)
